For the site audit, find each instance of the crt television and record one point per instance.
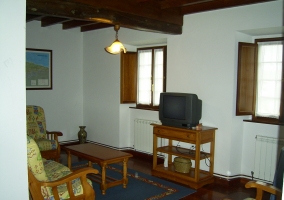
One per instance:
(180, 109)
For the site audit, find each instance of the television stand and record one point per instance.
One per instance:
(196, 178)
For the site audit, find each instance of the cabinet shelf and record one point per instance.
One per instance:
(196, 177)
(182, 152)
(191, 175)
(183, 178)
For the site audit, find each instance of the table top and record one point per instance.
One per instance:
(203, 128)
(97, 152)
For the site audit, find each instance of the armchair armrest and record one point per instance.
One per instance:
(35, 185)
(53, 135)
(261, 187)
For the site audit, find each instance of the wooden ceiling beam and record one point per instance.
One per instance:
(75, 23)
(33, 17)
(217, 4)
(180, 3)
(149, 9)
(90, 12)
(48, 21)
(95, 26)
(139, 1)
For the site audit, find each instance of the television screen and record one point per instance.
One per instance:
(174, 107)
(180, 109)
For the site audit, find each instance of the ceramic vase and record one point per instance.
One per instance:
(82, 134)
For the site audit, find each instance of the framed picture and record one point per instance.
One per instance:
(38, 69)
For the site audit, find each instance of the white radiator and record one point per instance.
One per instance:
(143, 135)
(267, 150)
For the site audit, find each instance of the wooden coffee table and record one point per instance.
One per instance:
(102, 156)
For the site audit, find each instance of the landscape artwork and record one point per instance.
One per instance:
(38, 69)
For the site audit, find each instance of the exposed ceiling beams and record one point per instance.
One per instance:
(162, 16)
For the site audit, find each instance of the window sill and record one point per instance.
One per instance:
(150, 109)
(261, 122)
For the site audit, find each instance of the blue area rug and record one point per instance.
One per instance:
(142, 187)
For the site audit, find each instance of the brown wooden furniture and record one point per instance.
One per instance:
(89, 194)
(263, 187)
(36, 128)
(52, 154)
(102, 156)
(196, 178)
(49, 179)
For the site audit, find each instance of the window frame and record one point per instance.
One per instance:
(151, 106)
(244, 89)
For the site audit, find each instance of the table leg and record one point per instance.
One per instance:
(125, 179)
(103, 185)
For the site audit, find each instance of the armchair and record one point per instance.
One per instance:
(276, 189)
(263, 187)
(51, 180)
(36, 128)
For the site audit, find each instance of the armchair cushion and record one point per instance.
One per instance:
(46, 144)
(55, 171)
(36, 124)
(35, 162)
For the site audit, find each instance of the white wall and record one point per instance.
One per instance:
(102, 109)
(203, 60)
(63, 104)
(101, 88)
(13, 150)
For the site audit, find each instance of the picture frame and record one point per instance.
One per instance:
(38, 69)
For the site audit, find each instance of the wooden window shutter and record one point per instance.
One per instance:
(246, 86)
(128, 77)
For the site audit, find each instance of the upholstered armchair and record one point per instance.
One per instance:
(49, 179)
(262, 187)
(276, 188)
(36, 128)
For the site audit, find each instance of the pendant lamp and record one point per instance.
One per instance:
(116, 47)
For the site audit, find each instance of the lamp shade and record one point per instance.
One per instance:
(116, 47)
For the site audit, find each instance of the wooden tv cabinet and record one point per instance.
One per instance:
(196, 178)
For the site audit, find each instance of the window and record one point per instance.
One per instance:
(260, 80)
(269, 76)
(151, 77)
